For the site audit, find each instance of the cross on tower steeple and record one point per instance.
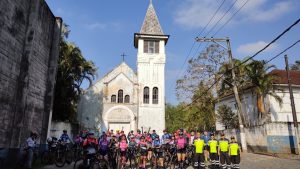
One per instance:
(123, 56)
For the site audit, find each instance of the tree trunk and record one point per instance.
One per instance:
(260, 103)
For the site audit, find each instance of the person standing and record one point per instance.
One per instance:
(30, 145)
(223, 151)
(206, 138)
(213, 151)
(199, 152)
(234, 153)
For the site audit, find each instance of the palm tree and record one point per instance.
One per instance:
(262, 81)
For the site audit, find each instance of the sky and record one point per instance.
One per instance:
(104, 29)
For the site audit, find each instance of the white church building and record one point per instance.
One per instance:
(125, 99)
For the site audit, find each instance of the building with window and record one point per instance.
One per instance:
(127, 100)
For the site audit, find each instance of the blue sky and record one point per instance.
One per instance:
(103, 29)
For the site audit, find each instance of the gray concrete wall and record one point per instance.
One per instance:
(29, 49)
(268, 138)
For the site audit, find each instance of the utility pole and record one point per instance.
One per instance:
(292, 103)
(235, 90)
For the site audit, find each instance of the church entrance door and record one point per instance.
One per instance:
(120, 126)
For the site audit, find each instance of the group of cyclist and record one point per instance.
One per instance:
(221, 153)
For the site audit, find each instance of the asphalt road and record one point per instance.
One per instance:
(248, 161)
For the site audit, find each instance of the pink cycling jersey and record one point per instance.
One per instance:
(123, 145)
(181, 143)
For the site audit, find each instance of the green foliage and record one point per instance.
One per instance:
(227, 117)
(73, 69)
(199, 115)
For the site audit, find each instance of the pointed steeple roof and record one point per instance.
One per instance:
(151, 24)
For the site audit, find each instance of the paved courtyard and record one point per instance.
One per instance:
(250, 161)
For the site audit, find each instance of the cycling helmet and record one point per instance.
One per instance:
(142, 137)
(90, 133)
(49, 140)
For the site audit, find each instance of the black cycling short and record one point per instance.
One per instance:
(181, 151)
(206, 147)
(103, 152)
(123, 153)
(144, 153)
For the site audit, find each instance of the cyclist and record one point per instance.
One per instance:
(199, 152)
(156, 144)
(123, 149)
(192, 137)
(103, 146)
(149, 142)
(181, 148)
(89, 146)
(234, 153)
(143, 150)
(213, 151)
(165, 137)
(138, 136)
(206, 138)
(65, 137)
(153, 135)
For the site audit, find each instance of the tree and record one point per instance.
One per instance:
(227, 117)
(262, 81)
(200, 69)
(296, 66)
(73, 69)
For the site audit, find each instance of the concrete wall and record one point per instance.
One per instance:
(275, 112)
(268, 138)
(58, 127)
(29, 48)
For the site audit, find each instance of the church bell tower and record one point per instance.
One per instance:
(151, 58)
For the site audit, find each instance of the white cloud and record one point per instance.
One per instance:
(250, 48)
(95, 25)
(196, 13)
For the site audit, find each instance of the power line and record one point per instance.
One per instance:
(232, 5)
(283, 51)
(193, 45)
(230, 18)
(273, 41)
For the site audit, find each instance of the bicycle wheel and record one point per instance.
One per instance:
(78, 164)
(102, 164)
(60, 159)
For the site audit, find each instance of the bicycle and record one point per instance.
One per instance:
(131, 157)
(170, 156)
(62, 154)
(48, 156)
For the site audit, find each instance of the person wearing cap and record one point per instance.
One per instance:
(223, 151)
(234, 153)
(199, 152)
(213, 151)
(181, 148)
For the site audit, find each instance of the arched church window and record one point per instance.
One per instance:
(146, 95)
(113, 99)
(155, 95)
(120, 96)
(151, 46)
(127, 99)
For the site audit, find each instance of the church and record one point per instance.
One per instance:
(125, 99)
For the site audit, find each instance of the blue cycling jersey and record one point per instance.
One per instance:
(65, 138)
